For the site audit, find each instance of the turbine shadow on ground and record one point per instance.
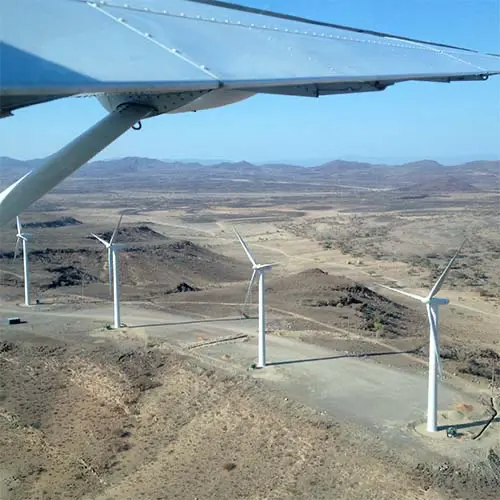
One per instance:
(468, 425)
(343, 356)
(192, 322)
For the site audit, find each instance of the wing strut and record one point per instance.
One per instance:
(32, 186)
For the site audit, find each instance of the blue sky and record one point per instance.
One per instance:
(450, 123)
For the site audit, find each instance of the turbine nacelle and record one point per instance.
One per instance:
(104, 242)
(263, 267)
(20, 234)
(438, 301)
(24, 236)
(111, 247)
(425, 300)
(109, 244)
(256, 267)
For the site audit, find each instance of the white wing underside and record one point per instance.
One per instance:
(57, 48)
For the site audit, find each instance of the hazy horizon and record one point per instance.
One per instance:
(304, 162)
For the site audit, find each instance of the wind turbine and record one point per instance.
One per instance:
(432, 304)
(24, 237)
(113, 270)
(258, 270)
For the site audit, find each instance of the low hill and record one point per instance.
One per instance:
(131, 234)
(339, 297)
(61, 222)
(446, 184)
(145, 270)
(137, 173)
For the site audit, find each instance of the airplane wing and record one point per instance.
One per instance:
(51, 49)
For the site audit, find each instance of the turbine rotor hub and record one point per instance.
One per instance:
(262, 267)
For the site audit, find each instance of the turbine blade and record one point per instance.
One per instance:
(19, 226)
(248, 296)
(439, 283)
(434, 328)
(402, 292)
(115, 232)
(16, 251)
(110, 270)
(247, 251)
(105, 243)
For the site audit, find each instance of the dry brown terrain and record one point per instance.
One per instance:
(151, 423)
(88, 414)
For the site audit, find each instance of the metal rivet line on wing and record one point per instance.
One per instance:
(149, 37)
(381, 41)
(447, 54)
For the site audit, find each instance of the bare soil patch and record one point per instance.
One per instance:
(99, 421)
(344, 300)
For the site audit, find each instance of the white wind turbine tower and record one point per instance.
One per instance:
(258, 270)
(432, 304)
(24, 237)
(113, 269)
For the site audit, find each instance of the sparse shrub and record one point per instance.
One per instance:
(121, 447)
(377, 323)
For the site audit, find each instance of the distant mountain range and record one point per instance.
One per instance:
(136, 172)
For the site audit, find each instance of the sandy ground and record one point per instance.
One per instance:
(169, 406)
(245, 414)
(342, 383)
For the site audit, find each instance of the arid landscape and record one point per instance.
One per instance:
(169, 406)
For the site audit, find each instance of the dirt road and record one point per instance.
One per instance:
(339, 383)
